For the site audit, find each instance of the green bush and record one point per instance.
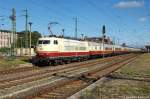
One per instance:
(4, 49)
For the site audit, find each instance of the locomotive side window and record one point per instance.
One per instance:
(46, 41)
(55, 42)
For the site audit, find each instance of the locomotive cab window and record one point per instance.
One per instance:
(55, 42)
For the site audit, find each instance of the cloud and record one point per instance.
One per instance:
(129, 4)
(142, 19)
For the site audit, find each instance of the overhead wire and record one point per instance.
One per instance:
(109, 15)
(67, 14)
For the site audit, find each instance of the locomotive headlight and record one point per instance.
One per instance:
(40, 48)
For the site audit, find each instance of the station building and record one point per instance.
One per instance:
(6, 38)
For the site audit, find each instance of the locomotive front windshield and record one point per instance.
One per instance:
(40, 41)
(44, 42)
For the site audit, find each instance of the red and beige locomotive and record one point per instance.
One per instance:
(52, 49)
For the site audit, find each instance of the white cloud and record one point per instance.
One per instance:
(142, 19)
(129, 4)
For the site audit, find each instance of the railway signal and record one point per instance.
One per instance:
(103, 39)
(63, 32)
(82, 36)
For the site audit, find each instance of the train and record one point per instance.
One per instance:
(52, 50)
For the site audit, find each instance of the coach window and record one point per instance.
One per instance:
(55, 42)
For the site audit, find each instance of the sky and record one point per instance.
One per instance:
(126, 21)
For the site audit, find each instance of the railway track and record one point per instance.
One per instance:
(63, 91)
(24, 69)
(24, 79)
(39, 74)
(59, 76)
(66, 89)
(14, 70)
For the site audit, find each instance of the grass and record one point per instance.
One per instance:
(118, 89)
(140, 66)
(7, 63)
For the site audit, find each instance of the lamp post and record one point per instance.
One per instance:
(30, 24)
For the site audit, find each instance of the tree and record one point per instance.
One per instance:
(35, 36)
(22, 38)
(4, 49)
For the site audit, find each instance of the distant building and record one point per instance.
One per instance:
(6, 38)
(100, 40)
